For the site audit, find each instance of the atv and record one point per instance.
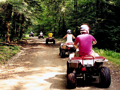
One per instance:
(31, 35)
(66, 48)
(40, 36)
(87, 69)
(50, 39)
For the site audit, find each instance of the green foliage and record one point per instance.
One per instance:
(59, 15)
(6, 52)
(110, 55)
(106, 52)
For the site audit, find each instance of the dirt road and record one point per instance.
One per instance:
(39, 67)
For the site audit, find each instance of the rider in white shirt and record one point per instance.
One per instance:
(69, 36)
(41, 33)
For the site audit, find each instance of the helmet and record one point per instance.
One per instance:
(68, 31)
(84, 28)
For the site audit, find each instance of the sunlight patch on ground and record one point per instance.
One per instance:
(43, 42)
(31, 82)
(39, 82)
(19, 69)
(43, 52)
(28, 62)
(85, 88)
(53, 68)
(2, 0)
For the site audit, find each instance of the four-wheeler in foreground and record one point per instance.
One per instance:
(87, 69)
(66, 48)
(50, 39)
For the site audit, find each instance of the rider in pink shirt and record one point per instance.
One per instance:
(85, 41)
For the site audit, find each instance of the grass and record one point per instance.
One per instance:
(6, 52)
(110, 55)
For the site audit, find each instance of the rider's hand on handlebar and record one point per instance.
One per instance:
(75, 46)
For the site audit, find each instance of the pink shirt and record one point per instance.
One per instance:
(85, 44)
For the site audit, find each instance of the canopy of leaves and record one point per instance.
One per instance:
(57, 16)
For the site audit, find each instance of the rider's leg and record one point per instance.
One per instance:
(93, 53)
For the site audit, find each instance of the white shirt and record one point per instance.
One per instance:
(69, 38)
(41, 33)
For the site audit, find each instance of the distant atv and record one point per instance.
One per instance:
(50, 39)
(31, 35)
(66, 48)
(40, 36)
(87, 69)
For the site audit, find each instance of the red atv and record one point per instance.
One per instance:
(50, 39)
(87, 69)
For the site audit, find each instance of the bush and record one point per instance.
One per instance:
(6, 52)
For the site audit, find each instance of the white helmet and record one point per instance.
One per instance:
(68, 31)
(84, 28)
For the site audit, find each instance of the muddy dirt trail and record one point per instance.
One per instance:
(39, 67)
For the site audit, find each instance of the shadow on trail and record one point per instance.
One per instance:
(58, 82)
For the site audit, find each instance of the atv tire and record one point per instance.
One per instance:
(54, 42)
(60, 50)
(62, 53)
(69, 70)
(71, 81)
(46, 41)
(104, 77)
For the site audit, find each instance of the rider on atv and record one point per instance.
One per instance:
(31, 34)
(69, 36)
(41, 33)
(50, 38)
(85, 41)
(68, 46)
(86, 66)
(50, 34)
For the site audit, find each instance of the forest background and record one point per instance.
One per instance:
(20, 17)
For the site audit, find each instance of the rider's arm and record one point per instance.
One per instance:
(65, 36)
(94, 42)
(73, 36)
(76, 41)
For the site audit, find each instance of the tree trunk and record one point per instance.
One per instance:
(13, 32)
(22, 25)
(75, 8)
(64, 31)
(7, 34)
(8, 13)
(59, 23)
(17, 26)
